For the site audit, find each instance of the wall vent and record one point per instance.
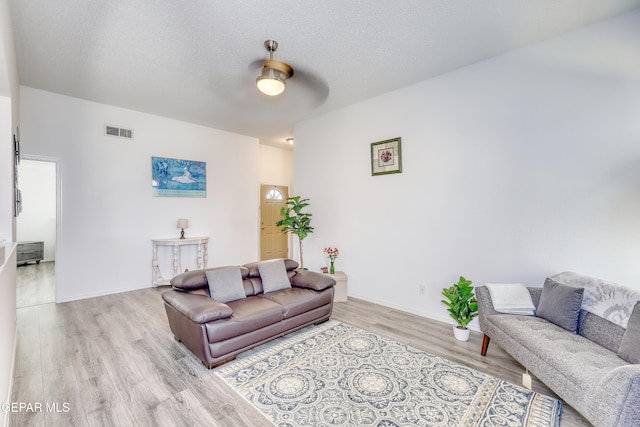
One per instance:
(118, 132)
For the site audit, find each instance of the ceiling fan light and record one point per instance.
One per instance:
(271, 82)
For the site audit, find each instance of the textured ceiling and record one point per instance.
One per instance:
(197, 60)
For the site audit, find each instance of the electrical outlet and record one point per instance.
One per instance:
(423, 290)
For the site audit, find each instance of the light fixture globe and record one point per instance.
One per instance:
(274, 73)
(271, 82)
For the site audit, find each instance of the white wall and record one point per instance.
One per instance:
(276, 166)
(9, 116)
(8, 261)
(37, 221)
(514, 168)
(9, 87)
(6, 171)
(7, 325)
(108, 216)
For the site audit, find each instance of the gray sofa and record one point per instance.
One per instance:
(582, 368)
(216, 332)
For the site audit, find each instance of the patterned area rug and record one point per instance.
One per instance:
(338, 375)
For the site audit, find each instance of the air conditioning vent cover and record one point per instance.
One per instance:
(118, 132)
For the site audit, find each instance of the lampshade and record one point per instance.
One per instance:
(271, 82)
(183, 223)
(290, 141)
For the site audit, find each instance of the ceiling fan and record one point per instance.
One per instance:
(305, 89)
(275, 73)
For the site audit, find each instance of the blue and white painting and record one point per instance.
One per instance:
(178, 178)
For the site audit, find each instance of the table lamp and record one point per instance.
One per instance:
(182, 224)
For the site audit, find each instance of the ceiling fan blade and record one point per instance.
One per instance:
(256, 66)
(318, 85)
(305, 91)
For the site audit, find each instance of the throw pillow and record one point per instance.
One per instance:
(560, 304)
(274, 275)
(225, 284)
(630, 345)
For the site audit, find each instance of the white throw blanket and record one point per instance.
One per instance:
(511, 298)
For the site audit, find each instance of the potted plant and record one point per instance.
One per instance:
(295, 221)
(462, 306)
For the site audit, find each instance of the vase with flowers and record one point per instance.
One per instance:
(333, 254)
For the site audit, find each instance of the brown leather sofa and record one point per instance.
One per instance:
(217, 332)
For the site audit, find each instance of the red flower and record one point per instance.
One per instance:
(332, 252)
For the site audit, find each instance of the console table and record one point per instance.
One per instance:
(201, 258)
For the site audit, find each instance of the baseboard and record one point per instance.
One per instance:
(474, 325)
(103, 293)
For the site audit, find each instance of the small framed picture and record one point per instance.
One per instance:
(386, 157)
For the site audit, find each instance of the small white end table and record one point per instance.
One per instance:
(340, 293)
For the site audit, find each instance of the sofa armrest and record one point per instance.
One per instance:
(485, 305)
(618, 391)
(312, 280)
(198, 308)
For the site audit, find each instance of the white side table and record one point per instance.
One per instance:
(340, 294)
(201, 258)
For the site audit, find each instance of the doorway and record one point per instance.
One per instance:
(273, 243)
(36, 232)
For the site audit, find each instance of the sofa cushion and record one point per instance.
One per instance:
(197, 279)
(296, 301)
(274, 275)
(600, 331)
(225, 284)
(560, 304)
(630, 345)
(249, 314)
(576, 358)
(254, 272)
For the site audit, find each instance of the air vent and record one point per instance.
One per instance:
(118, 132)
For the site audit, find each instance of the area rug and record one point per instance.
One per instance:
(338, 375)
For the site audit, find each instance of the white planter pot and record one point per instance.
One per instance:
(461, 334)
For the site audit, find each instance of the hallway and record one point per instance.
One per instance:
(36, 284)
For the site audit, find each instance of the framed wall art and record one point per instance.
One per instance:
(178, 178)
(386, 157)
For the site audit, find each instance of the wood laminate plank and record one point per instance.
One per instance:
(27, 379)
(113, 359)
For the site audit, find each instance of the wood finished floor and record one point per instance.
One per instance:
(114, 361)
(36, 284)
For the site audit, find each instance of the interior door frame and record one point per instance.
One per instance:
(59, 256)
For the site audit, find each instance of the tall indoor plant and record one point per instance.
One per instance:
(295, 221)
(462, 306)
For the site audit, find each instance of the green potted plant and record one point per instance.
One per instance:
(295, 221)
(462, 306)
